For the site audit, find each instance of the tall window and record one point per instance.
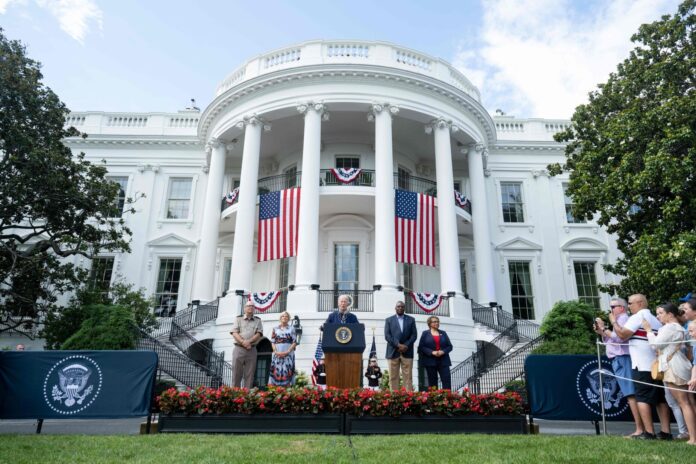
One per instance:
(570, 215)
(462, 272)
(511, 200)
(226, 273)
(346, 266)
(168, 279)
(521, 290)
(407, 277)
(291, 177)
(121, 199)
(403, 178)
(100, 274)
(283, 281)
(586, 280)
(348, 162)
(179, 198)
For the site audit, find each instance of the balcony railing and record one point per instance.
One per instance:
(366, 178)
(280, 182)
(412, 308)
(415, 184)
(362, 300)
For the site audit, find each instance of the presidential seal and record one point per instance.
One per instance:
(343, 335)
(587, 384)
(72, 384)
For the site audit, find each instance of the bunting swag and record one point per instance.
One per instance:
(263, 301)
(278, 222)
(346, 175)
(231, 197)
(428, 302)
(461, 200)
(415, 228)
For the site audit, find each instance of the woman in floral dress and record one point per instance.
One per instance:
(284, 342)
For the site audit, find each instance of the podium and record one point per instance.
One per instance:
(343, 346)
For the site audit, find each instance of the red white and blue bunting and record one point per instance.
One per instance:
(428, 302)
(346, 175)
(263, 301)
(461, 200)
(231, 197)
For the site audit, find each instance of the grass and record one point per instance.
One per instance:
(288, 449)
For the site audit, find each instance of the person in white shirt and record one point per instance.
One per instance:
(649, 392)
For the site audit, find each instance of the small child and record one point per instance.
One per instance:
(373, 374)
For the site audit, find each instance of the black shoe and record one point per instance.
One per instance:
(664, 436)
(645, 436)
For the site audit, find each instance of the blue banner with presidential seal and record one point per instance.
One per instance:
(567, 387)
(76, 384)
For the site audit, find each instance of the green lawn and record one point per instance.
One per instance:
(287, 449)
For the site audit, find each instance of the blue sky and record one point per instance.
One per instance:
(530, 58)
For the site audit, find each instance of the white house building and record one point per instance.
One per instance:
(408, 122)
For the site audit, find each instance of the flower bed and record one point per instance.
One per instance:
(309, 410)
(356, 402)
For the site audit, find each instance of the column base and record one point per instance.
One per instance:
(460, 308)
(303, 300)
(385, 300)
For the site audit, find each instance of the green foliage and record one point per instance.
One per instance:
(107, 328)
(53, 205)
(301, 379)
(631, 155)
(61, 325)
(567, 329)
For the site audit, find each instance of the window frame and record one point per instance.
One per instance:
(596, 298)
(121, 204)
(523, 202)
(528, 262)
(112, 274)
(165, 200)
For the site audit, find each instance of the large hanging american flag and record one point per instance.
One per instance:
(415, 228)
(278, 220)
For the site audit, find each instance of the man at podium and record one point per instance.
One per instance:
(342, 315)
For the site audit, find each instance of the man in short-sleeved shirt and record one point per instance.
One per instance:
(247, 330)
(649, 392)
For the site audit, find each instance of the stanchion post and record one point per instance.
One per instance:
(601, 387)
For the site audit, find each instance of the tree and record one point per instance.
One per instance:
(107, 328)
(567, 329)
(60, 326)
(54, 206)
(631, 154)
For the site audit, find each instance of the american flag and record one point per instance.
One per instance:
(278, 220)
(318, 354)
(415, 228)
(373, 349)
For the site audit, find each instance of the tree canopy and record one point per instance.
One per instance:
(53, 205)
(631, 154)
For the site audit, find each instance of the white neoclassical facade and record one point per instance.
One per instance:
(408, 121)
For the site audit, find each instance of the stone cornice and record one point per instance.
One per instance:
(527, 146)
(378, 74)
(130, 140)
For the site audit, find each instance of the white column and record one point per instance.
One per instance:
(204, 278)
(385, 264)
(306, 272)
(303, 297)
(243, 247)
(485, 284)
(450, 278)
(385, 253)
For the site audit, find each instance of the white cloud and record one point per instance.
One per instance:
(74, 16)
(542, 57)
(5, 3)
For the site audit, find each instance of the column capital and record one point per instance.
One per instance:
(253, 120)
(377, 108)
(319, 107)
(215, 143)
(441, 123)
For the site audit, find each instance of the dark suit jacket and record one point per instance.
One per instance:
(393, 335)
(335, 318)
(426, 346)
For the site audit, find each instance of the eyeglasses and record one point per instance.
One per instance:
(616, 306)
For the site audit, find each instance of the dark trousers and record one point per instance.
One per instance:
(443, 371)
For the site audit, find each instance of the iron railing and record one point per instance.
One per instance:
(197, 314)
(362, 300)
(413, 308)
(500, 320)
(280, 182)
(366, 178)
(178, 366)
(213, 360)
(509, 368)
(415, 184)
